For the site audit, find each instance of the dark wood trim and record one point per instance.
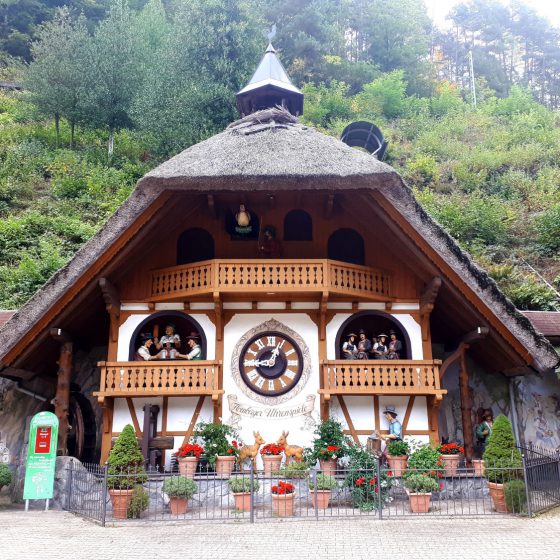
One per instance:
(132, 411)
(194, 419)
(408, 412)
(348, 419)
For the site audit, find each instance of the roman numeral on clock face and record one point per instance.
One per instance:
(271, 340)
(293, 363)
(290, 352)
(259, 382)
(259, 343)
(271, 385)
(252, 375)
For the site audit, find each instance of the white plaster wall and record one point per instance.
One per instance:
(127, 329)
(407, 321)
(271, 428)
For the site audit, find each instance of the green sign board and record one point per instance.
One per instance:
(41, 457)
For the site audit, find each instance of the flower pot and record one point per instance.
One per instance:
(242, 501)
(178, 505)
(328, 466)
(478, 467)
(498, 496)
(283, 504)
(397, 464)
(121, 500)
(323, 498)
(450, 464)
(224, 466)
(187, 466)
(271, 464)
(419, 503)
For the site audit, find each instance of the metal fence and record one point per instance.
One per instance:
(296, 493)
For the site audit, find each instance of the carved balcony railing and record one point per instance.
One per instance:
(156, 378)
(269, 277)
(381, 377)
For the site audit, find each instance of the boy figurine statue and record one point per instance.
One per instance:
(395, 427)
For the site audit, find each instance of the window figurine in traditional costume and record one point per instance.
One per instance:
(395, 347)
(364, 346)
(484, 429)
(395, 427)
(169, 343)
(195, 351)
(143, 352)
(269, 246)
(380, 347)
(349, 349)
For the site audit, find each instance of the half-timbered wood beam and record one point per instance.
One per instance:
(64, 378)
(113, 306)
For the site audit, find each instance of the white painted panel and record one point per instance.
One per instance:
(339, 305)
(305, 305)
(271, 305)
(413, 306)
(172, 306)
(180, 411)
(135, 307)
(238, 305)
(121, 414)
(201, 305)
(371, 305)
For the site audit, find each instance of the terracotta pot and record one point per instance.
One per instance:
(283, 504)
(224, 466)
(397, 464)
(419, 503)
(323, 498)
(242, 501)
(450, 464)
(271, 463)
(498, 496)
(121, 500)
(328, 466)
(478, 467)
(178, 505)
(187, 466)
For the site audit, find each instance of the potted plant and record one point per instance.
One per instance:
(502, 461)
(329, 445)
(271, 455)
(425, 460)
(221, 453)
(420, 487)
(293, 470)
(321, 490)
(180, 490)
(450, 455)
(188, 456)
(283, 501)
(126, 470)
(397, 456)
(241, 489)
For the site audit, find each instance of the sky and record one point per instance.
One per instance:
(438, 9)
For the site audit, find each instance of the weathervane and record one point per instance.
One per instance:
(272, 33)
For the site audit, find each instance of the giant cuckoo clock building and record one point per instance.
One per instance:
(265, 247)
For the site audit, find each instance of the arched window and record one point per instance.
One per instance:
(346, 245)
(194, 245)
(298, 226)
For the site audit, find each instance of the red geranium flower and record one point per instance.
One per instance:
(283, 488)
(272, 449)
(189, 450)
(360, 481)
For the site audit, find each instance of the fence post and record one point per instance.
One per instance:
(315, 501)
(69, 486)
(526, 480)
(252, 502)
(378, 469)
(104, 495)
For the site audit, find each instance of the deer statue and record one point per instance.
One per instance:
(250, 451)
(292, 452)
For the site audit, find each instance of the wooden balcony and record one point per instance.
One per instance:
(381, 377)
(244, 276)
(159, 378)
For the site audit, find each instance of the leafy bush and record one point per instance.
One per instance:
(421, 484)
(126, 462)
(293, 470)
(5, 475)
(330, 441)
(216, 442)
(385, 96)
(516, 498)
(547, 226)
(243, 484)
(323, 482)
(139, 502)
(180, 487)
(425, 460)
(502, 459)
(398, 448)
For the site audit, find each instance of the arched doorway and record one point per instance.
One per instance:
(195, 245)
(346, 245)
(82, 435)
(373, 323)
(155, 324)
(298, 226)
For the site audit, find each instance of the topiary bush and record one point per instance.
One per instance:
(5, 476)
(126, 462)
(516, 498)
(502, 459)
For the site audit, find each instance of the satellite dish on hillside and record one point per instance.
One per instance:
(363, 134)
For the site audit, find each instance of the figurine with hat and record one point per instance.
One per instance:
(395, 427)
(349, 348)
(380, 347)
(364, 346)
(193, 344)
(395, 346)
(143, 352)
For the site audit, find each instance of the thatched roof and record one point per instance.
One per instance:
(271, 150)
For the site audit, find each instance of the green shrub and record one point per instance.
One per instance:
(126, 462)
(180, 487)
(547, 226)
(139, 502)
(425, 460)
(215, 438)
(330, 442)
(502, 460)
(323, 482)
(293, 470)
(398, 448)
(5, 475)
(421, 484)
(243, 484)
(516, 498)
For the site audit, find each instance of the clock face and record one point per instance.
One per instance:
(270, 363)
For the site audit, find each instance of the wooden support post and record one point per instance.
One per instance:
(113, 306)
(107, 408)
(62, 397)
(427, 302)
(194, 419)
(433, 417)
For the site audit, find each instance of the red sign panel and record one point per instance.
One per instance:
(43, 439)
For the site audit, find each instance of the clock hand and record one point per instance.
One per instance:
(256, 363)
(274, 355)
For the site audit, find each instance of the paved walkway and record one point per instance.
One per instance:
(59, 536)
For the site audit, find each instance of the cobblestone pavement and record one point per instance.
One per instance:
(58, 535)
